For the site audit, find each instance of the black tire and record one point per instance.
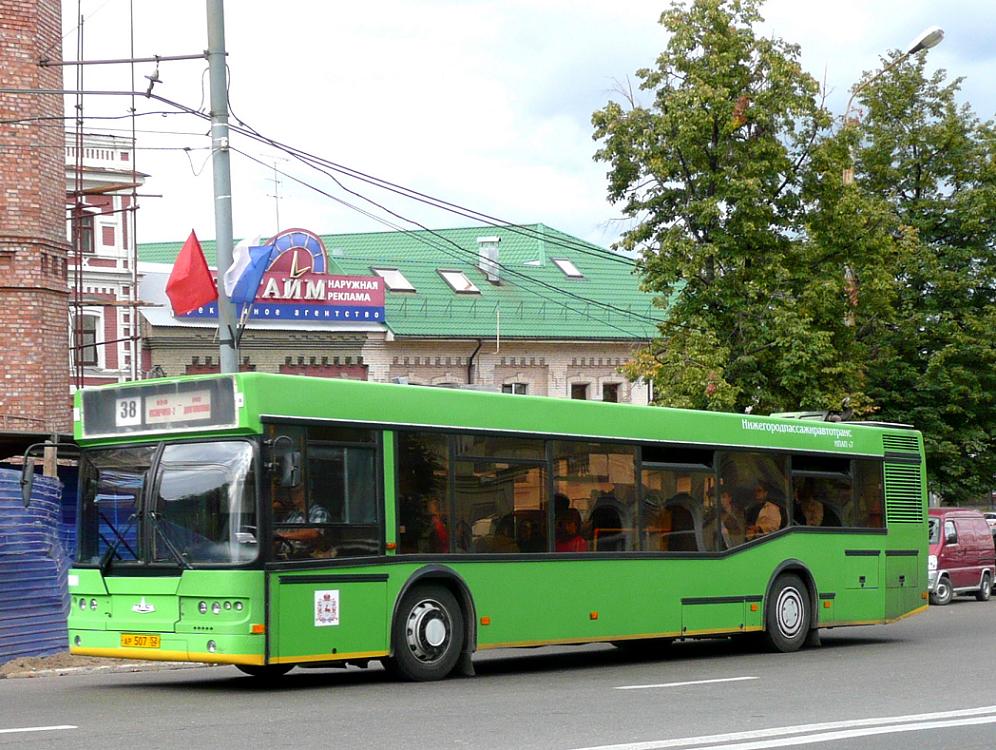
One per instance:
(427, 634)
(986, 589)
(265, 671)
(787, 614)
(943, 593)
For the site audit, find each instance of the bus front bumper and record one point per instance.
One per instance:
(195, 647)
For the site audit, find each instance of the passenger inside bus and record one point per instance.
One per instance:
(767, 513)
(568, 526)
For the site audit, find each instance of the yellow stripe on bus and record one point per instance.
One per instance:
(327, 657)
(163, 655)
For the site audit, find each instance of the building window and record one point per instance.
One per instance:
(570, 270)
(85, 340)
(394, 279)
(459, 282)
(610, 392)
(83, 225)
(579, 391)
(519, 389)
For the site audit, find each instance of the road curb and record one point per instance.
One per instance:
(103, 668)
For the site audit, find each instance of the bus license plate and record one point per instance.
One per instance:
(134, 640)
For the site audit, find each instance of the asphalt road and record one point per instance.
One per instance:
(925, 682)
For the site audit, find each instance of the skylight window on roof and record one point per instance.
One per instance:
(459, 282)
(394, 279)
(570, 270)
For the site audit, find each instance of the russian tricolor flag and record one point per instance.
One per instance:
(250, 260)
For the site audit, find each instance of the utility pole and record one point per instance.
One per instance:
(220, 163)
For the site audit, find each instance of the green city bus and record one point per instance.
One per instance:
(271, 521)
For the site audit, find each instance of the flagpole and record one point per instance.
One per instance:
(220, 162)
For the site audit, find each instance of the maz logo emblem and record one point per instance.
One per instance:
(143, 607)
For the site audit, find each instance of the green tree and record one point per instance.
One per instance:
(933, 162)
(717, 174)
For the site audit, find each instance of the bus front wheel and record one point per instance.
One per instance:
(787, 615)
(427, 634)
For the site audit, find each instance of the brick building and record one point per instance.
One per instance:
(526, 310)
(34, 379)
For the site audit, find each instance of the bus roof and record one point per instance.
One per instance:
(241, 403)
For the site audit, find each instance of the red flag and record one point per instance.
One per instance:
(190, 283)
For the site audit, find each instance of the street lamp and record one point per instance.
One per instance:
(928, 38)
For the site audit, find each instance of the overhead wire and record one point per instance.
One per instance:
(524, 230)
(446, 250)
(465, 252)
(310, 160)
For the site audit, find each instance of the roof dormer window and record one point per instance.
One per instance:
(394, 279)
(570, 270)
(458, 281)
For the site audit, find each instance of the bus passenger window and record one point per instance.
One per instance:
(759, 482)
(422, 461)
(595, 500)
(679, 512)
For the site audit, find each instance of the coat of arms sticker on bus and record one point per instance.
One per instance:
(326, 608)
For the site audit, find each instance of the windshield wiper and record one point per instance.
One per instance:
(105, 559)
(169, 543)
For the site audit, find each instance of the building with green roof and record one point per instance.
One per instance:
(521, 308)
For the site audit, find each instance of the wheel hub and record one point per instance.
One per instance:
(789, 611)
(427, 630)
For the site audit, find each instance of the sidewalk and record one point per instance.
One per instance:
(66, 664)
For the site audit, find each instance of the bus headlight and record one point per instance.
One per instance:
(931, 562)
(202, 607)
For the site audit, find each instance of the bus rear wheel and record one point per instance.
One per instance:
(787, 615)
(265, 671)
(427, 634)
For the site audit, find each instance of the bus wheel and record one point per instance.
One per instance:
(943, 593)
(986, 589)
(787, 615)
(427, 634)
(265, 671)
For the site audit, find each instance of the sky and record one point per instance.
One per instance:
(484, 104)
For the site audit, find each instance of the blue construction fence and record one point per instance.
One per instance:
(35, 547)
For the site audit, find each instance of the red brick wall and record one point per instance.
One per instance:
(34, 359)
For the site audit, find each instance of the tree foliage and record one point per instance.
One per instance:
(784, 288)
(933, 163)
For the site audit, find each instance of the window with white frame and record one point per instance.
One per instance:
(459, 282)
(570, 270)
(519, 389)
(84, 339)
(394, 279)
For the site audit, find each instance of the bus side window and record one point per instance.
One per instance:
(424, 524)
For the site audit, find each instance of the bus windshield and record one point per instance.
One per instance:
(198, 509)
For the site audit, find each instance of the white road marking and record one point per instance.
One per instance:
(821, 732)
(682, 684)
(38, 729)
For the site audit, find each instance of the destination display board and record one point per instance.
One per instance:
(159, 407)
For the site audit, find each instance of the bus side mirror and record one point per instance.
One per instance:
(290, 469)
(27, 480)
(286, 463)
